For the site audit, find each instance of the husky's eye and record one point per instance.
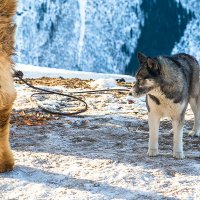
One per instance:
(140, 81)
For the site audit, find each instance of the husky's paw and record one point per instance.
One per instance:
(194, 133)
(152, 152)
(178, 155)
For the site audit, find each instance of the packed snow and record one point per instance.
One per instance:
(38, 72)
(100, 154)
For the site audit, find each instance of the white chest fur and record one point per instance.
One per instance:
(164, 107)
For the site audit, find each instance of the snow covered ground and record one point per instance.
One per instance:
(38, 72)
(100, 154)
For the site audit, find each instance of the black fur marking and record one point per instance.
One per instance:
(155, 99)
(147, 104)
(153, 72)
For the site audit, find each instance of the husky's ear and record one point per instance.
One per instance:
(152, 64)
(141, 57)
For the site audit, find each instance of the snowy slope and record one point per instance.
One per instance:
(81, 35)
(103, 36)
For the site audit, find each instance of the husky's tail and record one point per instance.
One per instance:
(7, 27)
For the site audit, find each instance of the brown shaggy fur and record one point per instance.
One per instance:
(7, 90)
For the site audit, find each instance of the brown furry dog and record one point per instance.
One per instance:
(7, 90)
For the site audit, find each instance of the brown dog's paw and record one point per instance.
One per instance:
(6, 167)
(7, 163)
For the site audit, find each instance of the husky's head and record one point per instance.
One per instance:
(148, 76)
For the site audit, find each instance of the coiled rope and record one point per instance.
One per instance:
(70, 95)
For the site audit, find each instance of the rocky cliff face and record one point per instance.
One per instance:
(104, 35)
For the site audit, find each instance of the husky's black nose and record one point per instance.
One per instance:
(130, 93)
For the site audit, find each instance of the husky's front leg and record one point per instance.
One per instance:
(154, 122)
(178, 138)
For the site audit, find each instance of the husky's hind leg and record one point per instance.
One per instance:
(195, 106)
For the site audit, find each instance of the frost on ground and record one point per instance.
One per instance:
(100, 154)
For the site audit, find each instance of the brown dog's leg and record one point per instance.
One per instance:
(7, 91)
(6, 157)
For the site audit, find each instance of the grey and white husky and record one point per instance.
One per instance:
(169, 83)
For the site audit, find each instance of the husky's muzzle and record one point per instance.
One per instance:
(138, 91)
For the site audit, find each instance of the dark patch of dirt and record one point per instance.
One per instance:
(31, 117)
(68, 83)
(73, 83)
